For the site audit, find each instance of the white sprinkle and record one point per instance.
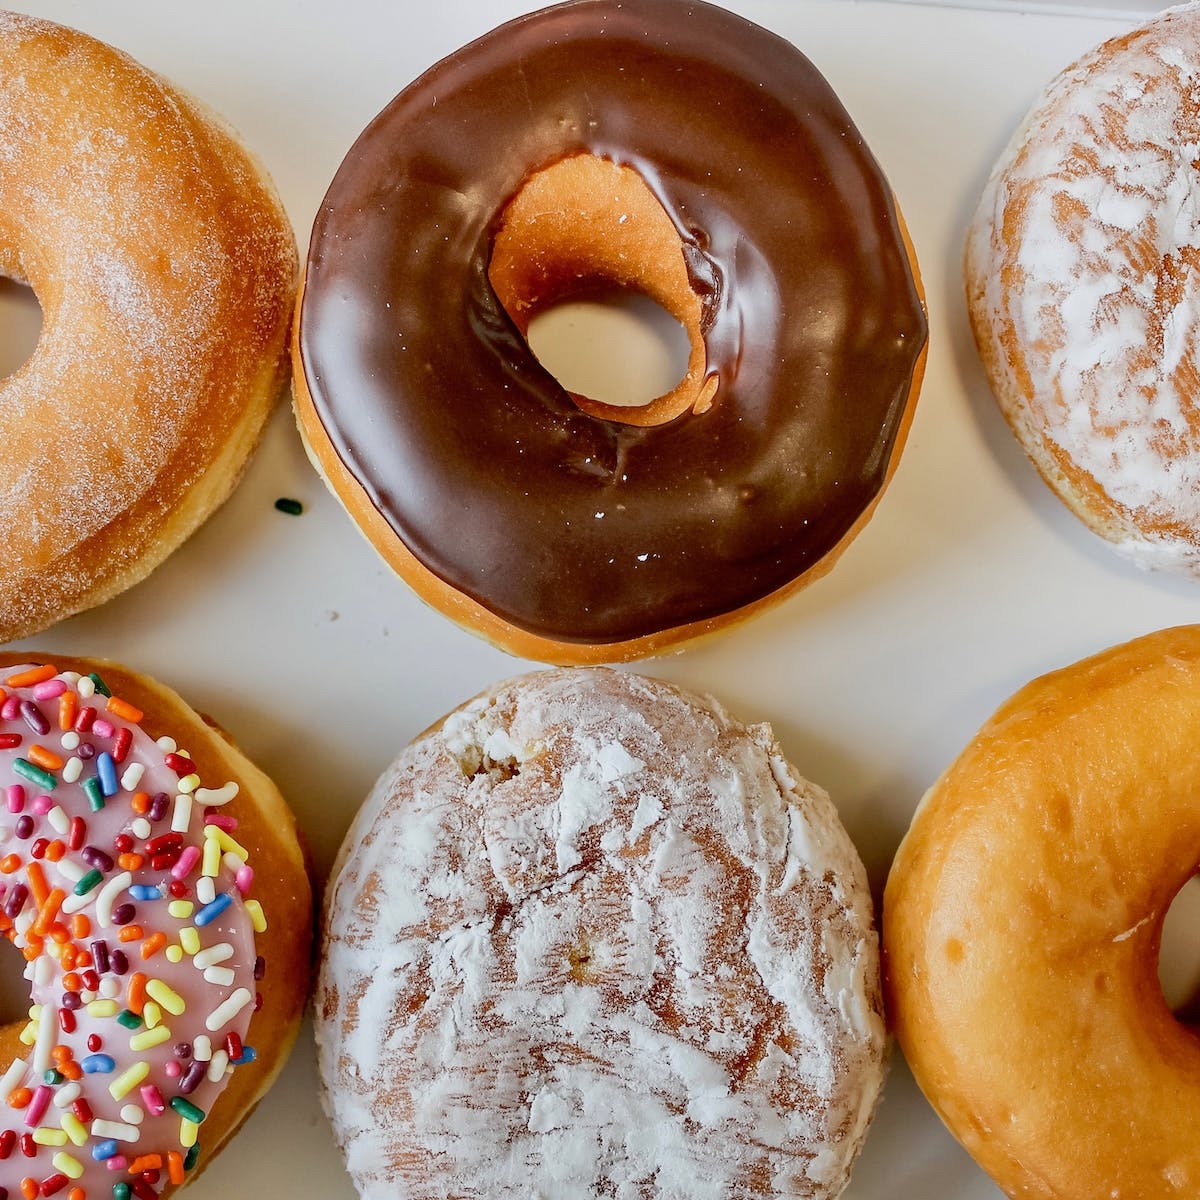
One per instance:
(86, 687)
(228, 1009)
(115, 1130)
(211, 797)
(166, 745)
(182, 815)
(110, 988)
(133, 1114)
(71, 869)
(108, 893)
(218, 1065)
(140, 828)
(72, 770)
(206, 891)
(13, 1076)
(59, 819)
(133, 776)
(219, 976)
(70, 740)
(66, 1095)
(233, 861)
(43, 972)
(47, 1031)
(211, 955)
(202, 1048)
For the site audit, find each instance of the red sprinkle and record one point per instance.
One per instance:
(180, 765)
(121, 744)
(77, 834)
(83, 1111)
(84, 719)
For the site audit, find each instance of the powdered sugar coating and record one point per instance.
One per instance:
(1082, 277)
(591, 937)
(165, 269)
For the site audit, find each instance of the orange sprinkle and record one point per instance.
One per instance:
(46, 759)
(80, 926)
(72, 982)
(32, 676)
(19, 1097)
(129, 862)
(131, 933)
(83, 958)
(71, 1069)
(56, 850)
(67, 958)
(10, 863)
(48, 911)
(32, 949)
(153, 944)
(61, 1053)
(174, 1166)
(135, 1000)
(68, 707)
(124, 710)
(145, 1162)
(38, 886)
(29, 1188)
(77, 1193)
(140, 803)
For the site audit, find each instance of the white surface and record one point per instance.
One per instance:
(970, 580)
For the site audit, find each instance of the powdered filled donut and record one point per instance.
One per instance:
(1083, 290)
(609, 145)
(590, 936)
(151, 878)
(165, 268)
(1022, 924)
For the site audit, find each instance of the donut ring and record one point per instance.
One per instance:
(589, 936)
(165, 267)
(499, 184)
(1022, 922)
(1083, 290)
(165, 1001)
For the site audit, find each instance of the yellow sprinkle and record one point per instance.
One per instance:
(257, 918)
(210, 864)
(187, 1133)
(189, 783)
(35, 1011)
(71, 1167)
(128, 1080)
(75, 1129)
(151, 1014)
(103, 1008)
(174, 954)
(223, 839)
(49, 1137)
(29, 1034)
(181, 909)
(189, 939)
(149, 1037)
(171, 1000)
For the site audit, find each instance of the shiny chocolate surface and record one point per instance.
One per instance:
(568, 526)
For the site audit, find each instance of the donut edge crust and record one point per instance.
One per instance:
(279, 856)
(479, 620)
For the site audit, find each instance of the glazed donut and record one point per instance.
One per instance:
(558, 156)
(165, 268)
(589, 936)
(135, 843)
(1022, 922)
(1083, 291)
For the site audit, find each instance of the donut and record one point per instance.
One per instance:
(1083, 294)
(165, 268)
(576, 151)
(151, 878)
(589, 936)
(1022, 923)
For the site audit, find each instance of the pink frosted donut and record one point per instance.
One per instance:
(127, 881)
(591, 937)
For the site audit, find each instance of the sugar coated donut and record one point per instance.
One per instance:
(135, 842)
(165, 268)
(1082, 285)
(600, 145)
(1022, 923)
(591, 937)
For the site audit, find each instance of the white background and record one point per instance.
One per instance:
(970, 580)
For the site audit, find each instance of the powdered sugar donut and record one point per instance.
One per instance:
(589, 936)
(1084, 291)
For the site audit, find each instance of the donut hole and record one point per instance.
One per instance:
(619, 348)
(1179, 954)
(20, 325)
(588, 231)
(14, 987)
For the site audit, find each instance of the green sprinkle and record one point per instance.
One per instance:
(53, 1077)
(120, 1191)
(186, 1109)
(95, 793)
(189, 1159)
(285, 504)
(101, 686)
(27, 770)
(129, 1019)
(90, 880)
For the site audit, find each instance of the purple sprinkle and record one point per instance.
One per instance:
(71, 1000)
(123, 914)
(260, 967)
(100, 956)
(158, 807)
(24, 827)
(189, 1081)
(95, 857)
(183, 1049)
(34, 717)
(15, 901)
(118, 962)
(85, 750)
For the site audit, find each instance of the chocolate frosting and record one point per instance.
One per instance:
(566, 525)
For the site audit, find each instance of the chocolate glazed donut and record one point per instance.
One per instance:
(562, 529)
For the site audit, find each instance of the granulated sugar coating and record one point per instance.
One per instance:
(592, 937)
